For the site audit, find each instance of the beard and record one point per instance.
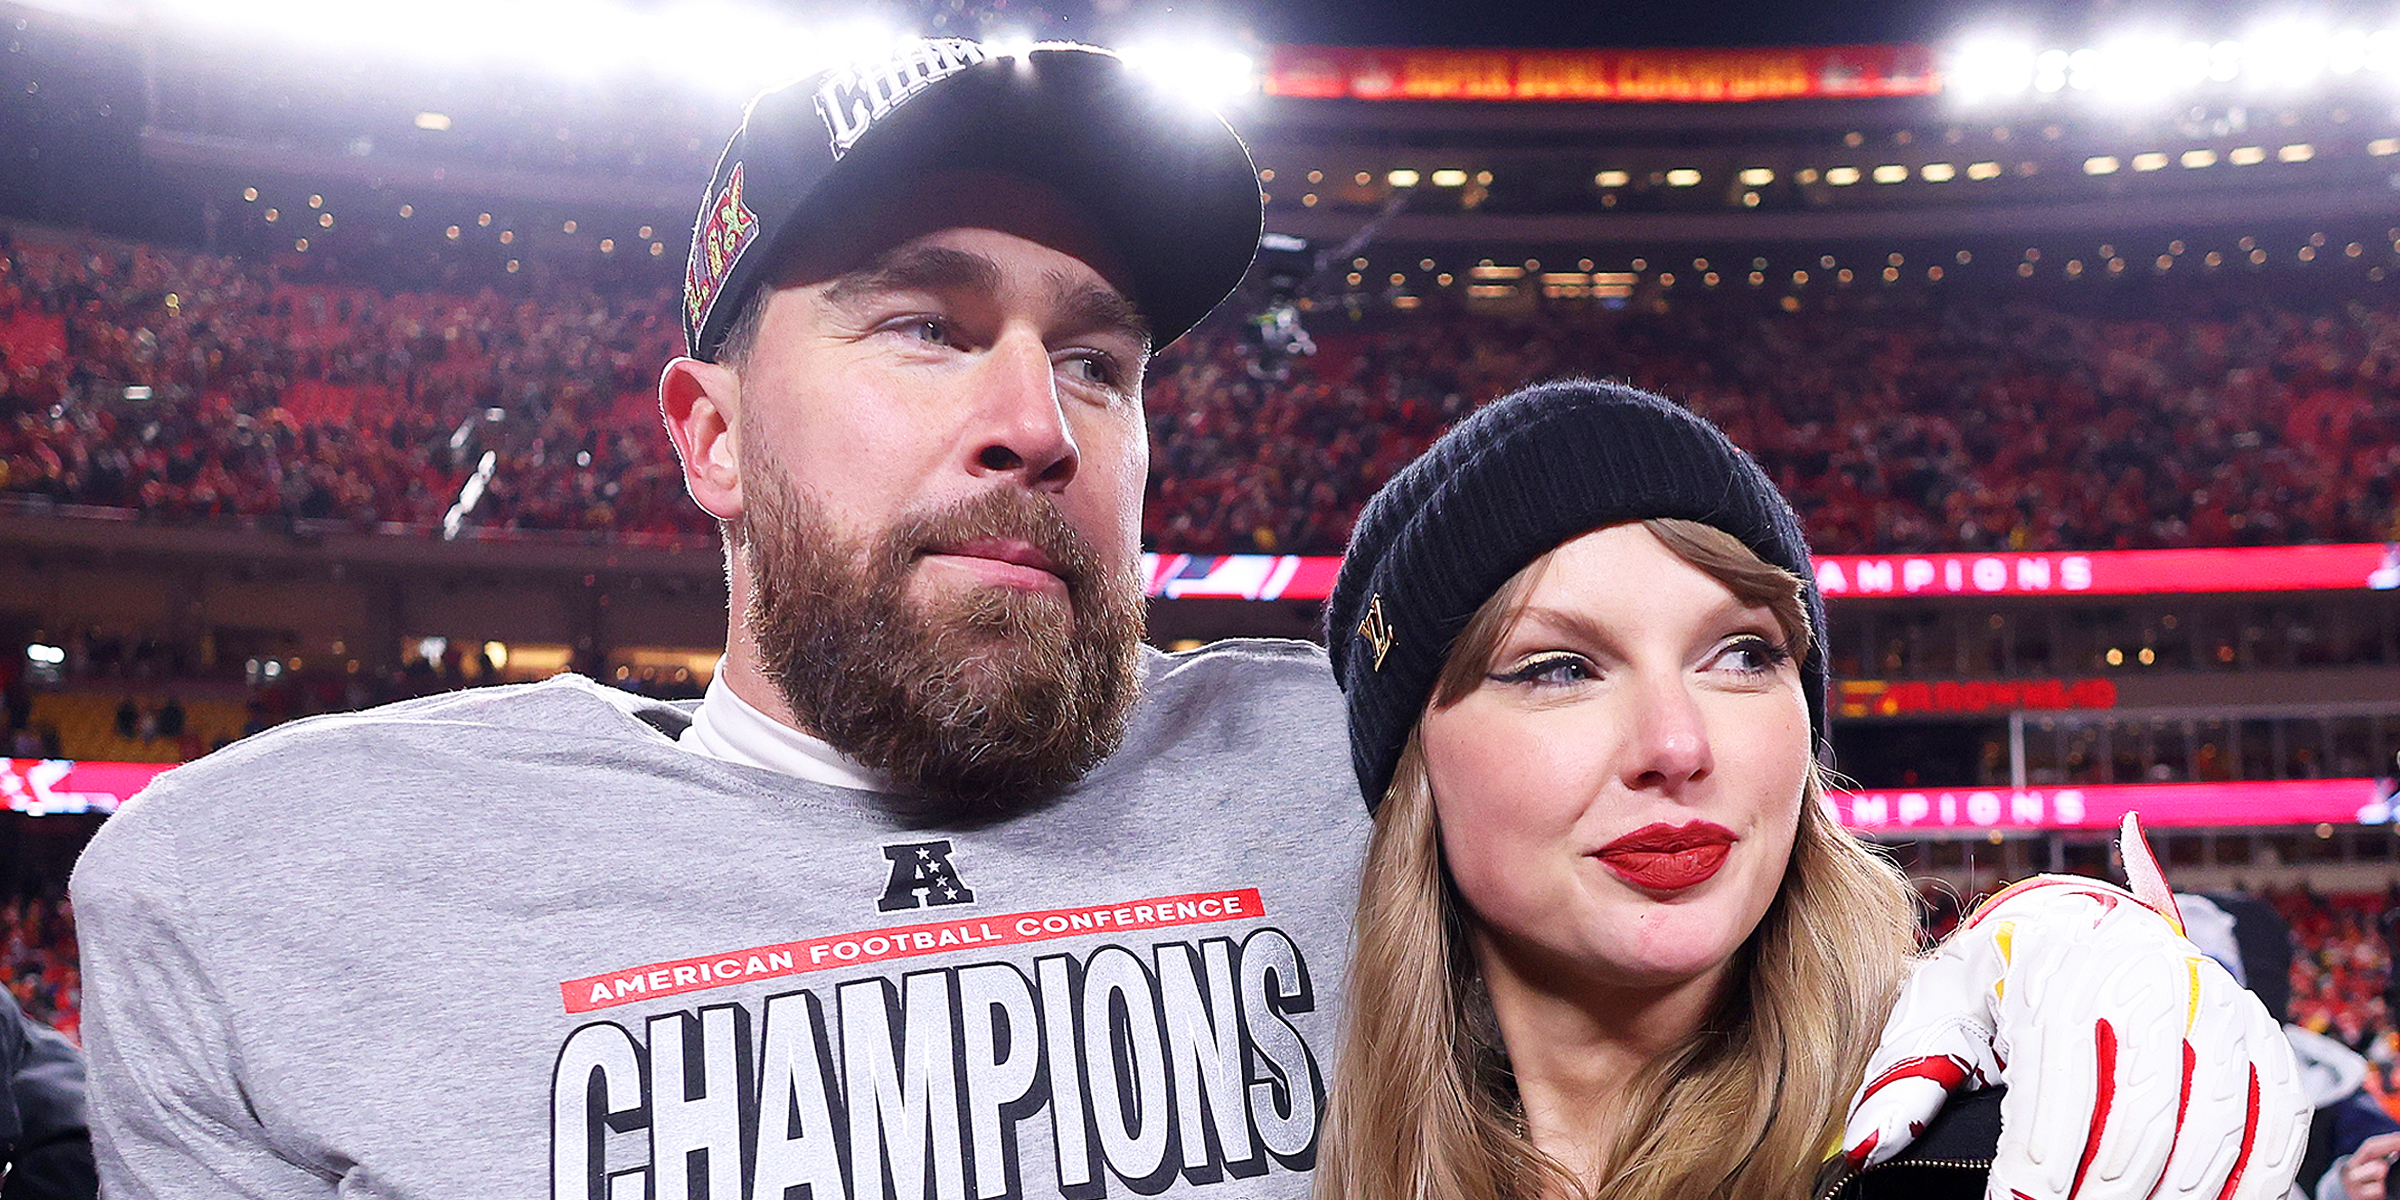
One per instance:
(978, 704)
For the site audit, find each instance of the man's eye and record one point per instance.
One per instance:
(1094, 367)
(1549, 670)
(930, 330)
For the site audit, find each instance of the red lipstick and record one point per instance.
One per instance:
(1669, 858)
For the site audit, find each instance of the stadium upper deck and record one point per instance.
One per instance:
(2093, 304)
(1631, 160)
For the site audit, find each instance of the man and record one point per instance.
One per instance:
(559, 940)
(946, 889)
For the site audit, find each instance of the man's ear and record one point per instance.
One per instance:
(700, 402)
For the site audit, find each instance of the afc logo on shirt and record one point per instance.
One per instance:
(922, 875)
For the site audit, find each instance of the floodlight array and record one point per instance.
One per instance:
(2284, 58)
(713, 44)
(1195, 70)
(724, 47)
(735, 47)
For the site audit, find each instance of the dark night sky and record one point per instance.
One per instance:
(1598, 22)
(1641, 23)
(1516, 23)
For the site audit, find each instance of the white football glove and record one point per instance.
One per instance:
(2136, 1066)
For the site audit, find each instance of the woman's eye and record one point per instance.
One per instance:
(1754, 655)
(1549, 670)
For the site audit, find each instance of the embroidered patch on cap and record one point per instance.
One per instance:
(852, 100)
(730, 228)
(1376, 629)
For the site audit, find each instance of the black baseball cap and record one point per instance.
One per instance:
(1170, 185)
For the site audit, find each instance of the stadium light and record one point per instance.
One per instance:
(2148, 69)
(2224, 62)
(582, 39)
(565, 37)
(2346, 54)
(2050, 70)
(1193, 70)
(692, 45)
(1010, 43)
(687, 41)
(2285, 54)
(2084, 69)
(1989, 67)
(2383, 51)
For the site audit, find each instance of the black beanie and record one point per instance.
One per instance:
(1523, 475)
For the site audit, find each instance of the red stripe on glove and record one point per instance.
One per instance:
(1946, 1070)
(1858, 1153)
(2034, 884)
(2183, 1105)
(2107, 899)
(2249, 1140)
(2104, 1095)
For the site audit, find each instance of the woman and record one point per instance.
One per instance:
(1629, 953)
(1610, 941)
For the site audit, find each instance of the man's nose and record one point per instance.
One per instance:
(1022, 424)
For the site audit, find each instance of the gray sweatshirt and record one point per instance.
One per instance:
(514, 942)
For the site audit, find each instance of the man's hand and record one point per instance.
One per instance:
(2135, 1065)
(2367, 1173)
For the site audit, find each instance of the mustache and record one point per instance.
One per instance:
(1007, 514)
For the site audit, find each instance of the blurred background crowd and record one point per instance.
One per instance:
(195, 388)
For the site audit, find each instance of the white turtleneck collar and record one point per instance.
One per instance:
(727, 727)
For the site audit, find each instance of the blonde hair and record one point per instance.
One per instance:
(1423, 1104)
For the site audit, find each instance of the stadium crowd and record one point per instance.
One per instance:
(2342, 968)
(2342, 974)
(1981, 422)
(190, 387)
(38, 957)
